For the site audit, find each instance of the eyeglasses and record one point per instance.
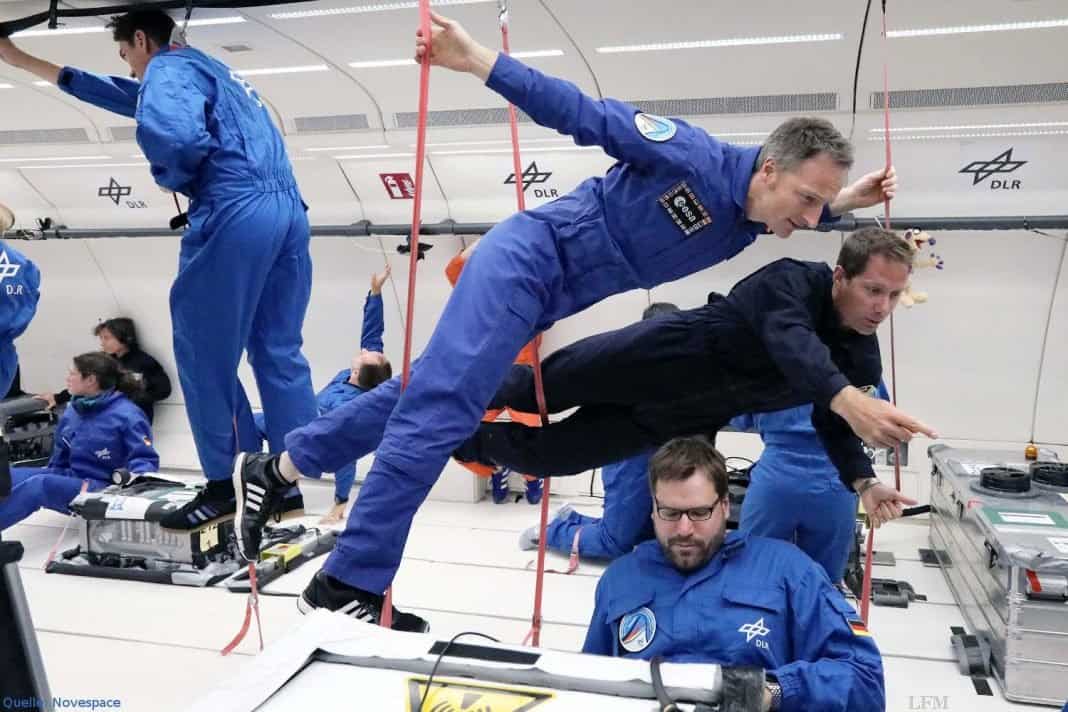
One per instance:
(694, 514)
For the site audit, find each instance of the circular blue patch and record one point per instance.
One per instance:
(655, 128)
(636, 630)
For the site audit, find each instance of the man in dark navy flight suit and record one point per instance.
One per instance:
(790, 333)
(677, 201)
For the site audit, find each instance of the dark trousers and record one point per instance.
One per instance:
(635, 388)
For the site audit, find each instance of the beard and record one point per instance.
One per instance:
(690, 553)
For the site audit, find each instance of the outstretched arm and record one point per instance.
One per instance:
(558, 104)
(116, 94)
(23, 60)
(374, 322)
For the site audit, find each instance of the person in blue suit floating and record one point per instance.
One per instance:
(101, 431)
(369, 368)
(244, 271)
(676, 202)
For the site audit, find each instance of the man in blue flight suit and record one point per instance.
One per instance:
(20, 283)
(369, 368)
(794, 467)
(244, 271)
(699, 594)
(625, 521)
(677, 201)
(790, 333)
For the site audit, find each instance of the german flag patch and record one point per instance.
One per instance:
(858, 627)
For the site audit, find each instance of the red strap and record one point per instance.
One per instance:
(534, 635)
(865, 595)
(252, 605)
(386, 617)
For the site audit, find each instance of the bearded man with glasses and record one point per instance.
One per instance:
(701, 594)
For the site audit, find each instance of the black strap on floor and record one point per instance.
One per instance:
(976, 664)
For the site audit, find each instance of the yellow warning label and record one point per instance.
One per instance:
(209, 537)
(451, 696)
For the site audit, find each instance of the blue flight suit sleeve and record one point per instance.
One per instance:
(116, 94)
(599, 638)
(374, 324)
(744, 423)
(836, 667)
(60, 459)
(141, 456)
(608, 123)
(172, 125)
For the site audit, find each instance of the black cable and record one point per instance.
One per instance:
(856, 70)
(663, 699)
(430, 678)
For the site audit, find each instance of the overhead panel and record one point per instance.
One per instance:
(326, 190)
(973, 174)
(481, 186)
(386, 186)
(22, 199)
(103, 195)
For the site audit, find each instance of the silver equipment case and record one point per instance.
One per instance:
(999, 526)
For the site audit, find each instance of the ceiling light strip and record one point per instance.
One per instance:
(376, 146)
(997, 134)
(96, 29)
(730, 42)
(46, 159)
(408, 62)
(968, 29)
(970, 127)
(303, 69)
(360, 9)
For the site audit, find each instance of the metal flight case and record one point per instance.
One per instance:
(27, 428)
(999, 528)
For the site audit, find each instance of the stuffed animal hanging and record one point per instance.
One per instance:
(918, 241)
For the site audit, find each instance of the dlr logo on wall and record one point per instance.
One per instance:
(980, 171)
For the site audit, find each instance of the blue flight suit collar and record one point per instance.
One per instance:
(744, 164)
(652, 557)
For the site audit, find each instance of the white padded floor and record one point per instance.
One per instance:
(156, 647)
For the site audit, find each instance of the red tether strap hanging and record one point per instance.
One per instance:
(252, 603)
(534, 635)
(865, 595)
(386, 619)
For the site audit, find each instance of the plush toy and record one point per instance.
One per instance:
(918, 241)
(7, 218)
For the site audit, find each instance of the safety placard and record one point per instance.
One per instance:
(452, 696)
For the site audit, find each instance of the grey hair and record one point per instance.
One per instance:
(799, 139)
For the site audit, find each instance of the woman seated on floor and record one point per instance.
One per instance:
(102, 431)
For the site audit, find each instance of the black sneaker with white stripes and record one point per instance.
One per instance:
(259, 491)
(214, 503)
(327, 592)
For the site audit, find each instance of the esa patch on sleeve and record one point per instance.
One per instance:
(685, 209)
